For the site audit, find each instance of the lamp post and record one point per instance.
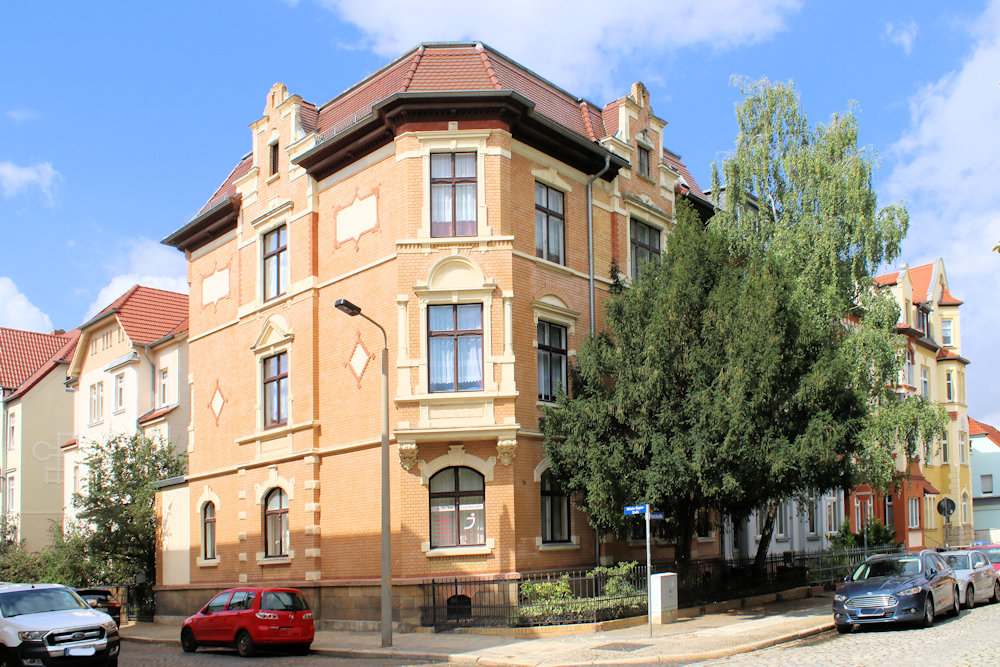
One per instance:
(345, 306)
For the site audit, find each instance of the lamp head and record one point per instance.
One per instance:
(345, 306)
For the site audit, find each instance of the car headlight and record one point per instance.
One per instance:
(839, 598)
(32, 635)
(110, 627)
(913, 590)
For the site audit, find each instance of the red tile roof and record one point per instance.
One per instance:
(155, 414)
(61, 356)
(981, 428)
(947, 299)
(24, 352)
(945, 353)
(147, 314)
(887, 279)
(921, 276)
(686, 184)
(228, 187)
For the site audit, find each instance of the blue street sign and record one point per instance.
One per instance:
(656, 515)
(635, 509)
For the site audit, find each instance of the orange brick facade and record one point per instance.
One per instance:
(360, 230)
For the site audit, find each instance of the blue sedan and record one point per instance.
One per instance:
(892, 588)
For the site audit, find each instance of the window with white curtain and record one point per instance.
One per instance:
(455, 343)
(453, 194)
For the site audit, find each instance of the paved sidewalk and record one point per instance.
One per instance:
(705, 637)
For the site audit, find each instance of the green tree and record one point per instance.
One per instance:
(116, 518)
(800, 200)
(626, 435)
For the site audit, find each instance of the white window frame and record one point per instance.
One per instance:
(454, 141)
(164, 392)
(947, 333)
(913, 512)
(925, 382)
(96, 406)
(983, 479)
(963, 448)
(119, 397)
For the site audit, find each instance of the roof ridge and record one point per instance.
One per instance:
(585, 112)
(488, 65)
(414, 64)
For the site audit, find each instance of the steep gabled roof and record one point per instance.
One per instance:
(24, 352)
(228, 187)
(887, 279)
(59, 358)
(982, 428)
(921, 276)
(146, 314)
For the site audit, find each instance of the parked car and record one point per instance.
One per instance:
(49, 624)
(992, 552)
(104, 600)
(977, 580)
(248, 618)
(898, 587)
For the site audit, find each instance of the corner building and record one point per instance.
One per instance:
(448, 195)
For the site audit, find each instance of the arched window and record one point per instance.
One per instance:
(208, 531)
(276, 523)
(555, 511)
(458, 508)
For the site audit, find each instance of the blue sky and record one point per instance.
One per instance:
(119, 120)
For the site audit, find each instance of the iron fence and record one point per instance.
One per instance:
(554, 597)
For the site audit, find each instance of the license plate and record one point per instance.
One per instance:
(80, 651)
(871, 611)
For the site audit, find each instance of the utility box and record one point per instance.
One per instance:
(663, 598)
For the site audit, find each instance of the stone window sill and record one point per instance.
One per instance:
(472, 550)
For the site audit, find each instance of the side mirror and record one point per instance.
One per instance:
(205, 611)
(92, 603)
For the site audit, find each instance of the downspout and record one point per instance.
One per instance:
(5, 444)
(590, 259)
(152, 381)
(590, 233)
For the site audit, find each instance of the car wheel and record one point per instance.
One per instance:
(844, 628)
(970, 597)
(928, 619)
(956, 607)
(188, 642)
(996, 592)
(244, 644)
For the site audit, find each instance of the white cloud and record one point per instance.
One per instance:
(564, 41)
(946, 171)
(148, 263)
(15, 179)
(17, 312)
(902, 35)
(21, 115)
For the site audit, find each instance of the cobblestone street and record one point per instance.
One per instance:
(970, 639)
(140, 654)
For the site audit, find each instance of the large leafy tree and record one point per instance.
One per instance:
(115, 514)
(801, 199)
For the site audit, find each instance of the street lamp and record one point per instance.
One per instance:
(345, 306)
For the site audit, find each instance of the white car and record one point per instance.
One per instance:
(49, 624)
(977, 580)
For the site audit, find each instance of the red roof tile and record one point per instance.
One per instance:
(921, 276)
(687, 183)
(228, 187)
(24, 352)
(947, 299)
(155, 414)
(981, 428)
(61, 356)
(887, 279)
(147, 314)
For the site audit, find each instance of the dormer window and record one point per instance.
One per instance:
(923, 322)
(643, 162)
(274, 158)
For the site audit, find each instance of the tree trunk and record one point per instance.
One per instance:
(685, 533)
(760, 559)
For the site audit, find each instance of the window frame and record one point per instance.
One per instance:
(947, 334)
(949, 386)
(634, 244)
(273, 158)
(913, 517)
(944, 448)
(643, 161)
(983, 485)
(550, 352)
(453, 182)
(543, 241)
(119, 398)
(96, 406)
(278, 516)
(208, 550)
(281, 379)
(455, 334)
(925, 382)
(551, 494)
(279, 255)
(456, 496)
(164, 386)
(963, 448)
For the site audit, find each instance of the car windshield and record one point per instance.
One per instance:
(38, 601)
(958, 561)
(992, 554)
(283, 601)
(888, 567)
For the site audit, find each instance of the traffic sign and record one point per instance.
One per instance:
(863, 492)
(635, 509)
(656, 515)
(946, 507)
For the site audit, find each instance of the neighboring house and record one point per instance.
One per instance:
(37, 417)
(799, 527)
(985, 480)
(449, 196)
(934, 369)
(129, 374)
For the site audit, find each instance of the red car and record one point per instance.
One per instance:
(992, 552)
(248, 618)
